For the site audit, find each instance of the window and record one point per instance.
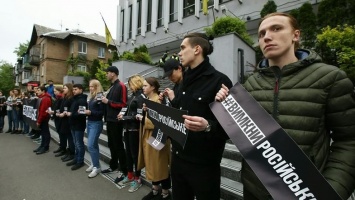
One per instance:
(149, 20)
(160, 13)
(173, 10)
(122, 25)
(72, 47)
(130, 22)
(139, 5)
(82, 68)
(101, 53)
(189, 7)
(82, 47)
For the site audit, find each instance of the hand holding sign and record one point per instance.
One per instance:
(195, 123)
(222, 93)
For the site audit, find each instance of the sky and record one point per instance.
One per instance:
(17, 18)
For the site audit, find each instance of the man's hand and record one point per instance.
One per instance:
(169, 93)
(38, 124)
(222, 93)
(104, 100)
(195, 123)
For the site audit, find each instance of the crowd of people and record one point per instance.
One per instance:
(193, 171)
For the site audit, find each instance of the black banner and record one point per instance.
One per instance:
(169, 120)
(30, 111)
(279, 163)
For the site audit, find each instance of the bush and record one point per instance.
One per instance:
(228, 24)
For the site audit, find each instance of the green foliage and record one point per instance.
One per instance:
(115, 57)
(21, 49)
(7, 82)
(94, 68)
(86, 75)
(228, 24)
(74, 61)
(307, 22)
(341, 42)
(101, 75)
(269, 7)
(335, 12)
(139, 54)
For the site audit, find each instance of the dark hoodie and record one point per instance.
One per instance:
(45, 103)
(77, 121)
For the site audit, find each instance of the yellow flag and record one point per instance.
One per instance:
(205, 7)
(108, 35)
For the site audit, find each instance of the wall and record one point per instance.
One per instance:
(129, 68)
(225, 56)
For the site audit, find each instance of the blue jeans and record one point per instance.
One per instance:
(78, 139)
(26, 127)
(15, 116)
(9, 119)
(94, 129)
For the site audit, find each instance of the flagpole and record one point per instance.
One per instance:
(113, 40)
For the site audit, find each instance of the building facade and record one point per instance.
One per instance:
(161, 24)
(51, 54)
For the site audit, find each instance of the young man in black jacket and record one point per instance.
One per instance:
(115, 100)
(77, 122)
(195, 169)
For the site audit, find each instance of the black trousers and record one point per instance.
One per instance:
(46, 135)
(190, 180)
(131, 139)
(115, 143)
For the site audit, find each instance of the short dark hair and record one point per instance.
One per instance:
(42, 88)
(78, 86)
(202, 40)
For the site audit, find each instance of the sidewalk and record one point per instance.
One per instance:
(27, 176)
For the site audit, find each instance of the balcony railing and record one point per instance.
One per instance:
(34, 55)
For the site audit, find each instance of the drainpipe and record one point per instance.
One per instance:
(241, 64)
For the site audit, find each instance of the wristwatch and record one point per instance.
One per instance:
(208, 128)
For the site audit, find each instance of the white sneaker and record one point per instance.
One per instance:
(95, 171)
(135, 185)
(89, 169)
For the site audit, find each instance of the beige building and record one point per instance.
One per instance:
(51, 54)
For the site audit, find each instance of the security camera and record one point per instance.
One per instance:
(166, 30)
(223, 9)
(132, 42)
(240, 1)
(109, 50)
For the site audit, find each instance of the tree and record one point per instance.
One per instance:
(307, 22)
(268, 8)
(341, 42)
(6, 77)
(334, 12)
(21, 49)
(139, 54)
(228, 24)
(101, 75)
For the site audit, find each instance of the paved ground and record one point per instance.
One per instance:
(27, 176)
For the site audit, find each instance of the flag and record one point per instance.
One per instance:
(205, 7)
(108, 35)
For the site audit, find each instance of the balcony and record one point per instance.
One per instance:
(34, 55)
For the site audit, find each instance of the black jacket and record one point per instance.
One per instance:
(64, 127)
(134, 102)
(117, 97)
(97, 110)
(77, 121)
(199, 88)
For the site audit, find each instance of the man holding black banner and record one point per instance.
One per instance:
(312, 101)
(195, 169)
